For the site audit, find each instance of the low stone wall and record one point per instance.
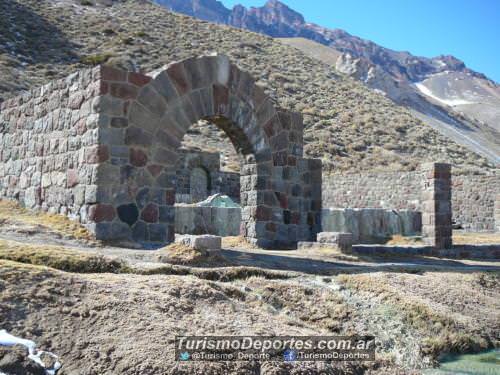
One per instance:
(372, 225)
(473, 197)
(49, 147)
(219, 221)
(393, 190)
(473, 201)
(497, 213)
(491, 252)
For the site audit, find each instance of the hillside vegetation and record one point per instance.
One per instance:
(347, 125)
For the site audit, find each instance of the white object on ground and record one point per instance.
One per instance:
(218, 200)
(6, 339)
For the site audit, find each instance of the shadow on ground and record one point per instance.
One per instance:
(286, 262)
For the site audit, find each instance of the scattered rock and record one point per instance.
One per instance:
(202, 243)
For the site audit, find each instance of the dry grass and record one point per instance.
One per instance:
(441, 329)
(328, 251)
(184, 255)
(237, 242)
(12, 212)
(462, 238)
(459, 238)
(309, 305)
(30, 257)
(60, 258)
(398, 240)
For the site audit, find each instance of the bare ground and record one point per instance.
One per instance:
(110, 310)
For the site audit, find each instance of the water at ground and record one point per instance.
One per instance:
(485, 363)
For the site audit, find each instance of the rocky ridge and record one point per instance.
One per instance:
(408, 80)
(347, 125)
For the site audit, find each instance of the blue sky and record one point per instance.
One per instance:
(469, 30)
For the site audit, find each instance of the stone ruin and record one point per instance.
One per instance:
(102, 146)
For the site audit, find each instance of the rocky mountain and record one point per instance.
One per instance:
(467, 114)
(347, 125)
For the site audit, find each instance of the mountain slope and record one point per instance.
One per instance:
(472, 122)
(347, 125)
(459, 123)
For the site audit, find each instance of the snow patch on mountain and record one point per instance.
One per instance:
(450, 102)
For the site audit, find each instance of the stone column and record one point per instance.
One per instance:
(497, 213)
(436, 205)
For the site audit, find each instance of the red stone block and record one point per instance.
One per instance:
(96, 154)
(282, 198)
(178, 77)
(170, 197)
(269, 127)
(101, 212)
(263, 213)
(150, 213)
(295, 218)
(138, 79)
(102, 153)
(138, 158)
(72, 178)
(111, 74)
(81, 126)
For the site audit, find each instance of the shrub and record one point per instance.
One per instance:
(95, 59)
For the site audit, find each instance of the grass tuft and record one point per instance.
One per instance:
(59, 258)
(12, 212)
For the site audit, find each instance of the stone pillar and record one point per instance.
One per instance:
(436, 205)
(497, 213)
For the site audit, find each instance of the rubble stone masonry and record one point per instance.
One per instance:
(436, 205)
(49, 147)
(497, 213)
(473, 196)
(102, 146)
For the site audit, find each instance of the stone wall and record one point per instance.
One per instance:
(473, 196)
(190, 162)
(219, 221)
(473, 201)
(229, 184)
(497, 213)
(49, 146)
(218, 181)
(103, 145)
(436, 205)
(393, 190)
(372, 225)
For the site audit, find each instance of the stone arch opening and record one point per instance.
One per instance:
(280, 190)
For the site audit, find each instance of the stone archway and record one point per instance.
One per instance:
(280, 190)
